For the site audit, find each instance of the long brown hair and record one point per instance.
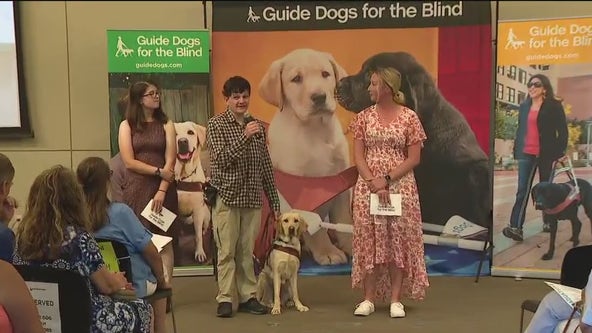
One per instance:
(93, 174)
(55, 201)
(134, 113)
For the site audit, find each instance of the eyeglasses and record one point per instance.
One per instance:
(534, 84)
(152, 94)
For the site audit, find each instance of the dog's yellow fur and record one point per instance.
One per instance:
(278, 281)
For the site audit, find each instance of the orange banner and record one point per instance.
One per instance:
(566, 41)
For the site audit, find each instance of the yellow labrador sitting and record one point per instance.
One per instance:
(278, 281)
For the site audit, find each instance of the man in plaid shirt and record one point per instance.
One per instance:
(241, 172)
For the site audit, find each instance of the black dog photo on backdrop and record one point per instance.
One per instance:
(453, 177)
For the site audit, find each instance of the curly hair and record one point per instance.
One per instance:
(93, 174)
(55, 201)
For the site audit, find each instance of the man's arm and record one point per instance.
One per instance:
(269, 180)
(222, 154)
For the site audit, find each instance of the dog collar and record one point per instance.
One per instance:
(569, 199)
(190, 186)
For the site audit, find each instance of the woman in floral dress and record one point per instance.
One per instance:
(388, 251)
(54, 233)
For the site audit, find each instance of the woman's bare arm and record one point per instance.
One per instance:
(18, 302)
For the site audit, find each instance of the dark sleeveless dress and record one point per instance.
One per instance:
(149, 147)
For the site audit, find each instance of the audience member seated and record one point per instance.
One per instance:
(7, 207)
(18, 313)
(553, 313)
(116, 221)
(54, 232)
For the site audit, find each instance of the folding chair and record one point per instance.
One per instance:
(575, 269)
(73, 294)
(124, 264)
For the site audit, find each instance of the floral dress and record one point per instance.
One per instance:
(381, 240)
(80, 253)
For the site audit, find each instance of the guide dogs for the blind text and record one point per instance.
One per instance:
(278, 281)
(558, 203)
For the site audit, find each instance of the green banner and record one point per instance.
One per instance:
(158, 51)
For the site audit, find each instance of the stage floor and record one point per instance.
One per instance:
(453, 304)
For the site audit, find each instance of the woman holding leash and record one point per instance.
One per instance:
(388, 253)
(541, 139)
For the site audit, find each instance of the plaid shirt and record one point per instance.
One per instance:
(241, 166)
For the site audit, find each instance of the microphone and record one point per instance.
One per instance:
(248, 118)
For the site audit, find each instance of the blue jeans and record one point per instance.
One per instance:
(527, 167)
(552, 310)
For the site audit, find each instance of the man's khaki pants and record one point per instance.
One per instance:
(235, 230)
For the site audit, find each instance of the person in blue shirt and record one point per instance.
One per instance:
(553, 313)
(117, 221)
(7, 207)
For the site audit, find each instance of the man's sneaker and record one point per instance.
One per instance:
(364, 309)
(252, 306)
(397, 310)
(224, 310)
(513, 233)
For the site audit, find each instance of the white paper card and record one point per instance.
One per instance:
(394, 209)
(570, 295)
(46, 296)
(163, 220)
(160, 241)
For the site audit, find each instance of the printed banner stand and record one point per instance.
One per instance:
(552, 59)
(179, 63)
(328, 48)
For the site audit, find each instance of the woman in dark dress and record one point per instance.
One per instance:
(148, 150)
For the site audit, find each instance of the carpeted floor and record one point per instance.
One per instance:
(453, 304)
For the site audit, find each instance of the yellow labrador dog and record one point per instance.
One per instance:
(306, 138)
(190, 177)
(278, 281)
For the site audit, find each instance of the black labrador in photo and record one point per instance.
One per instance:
(454, 176)
(552, 199)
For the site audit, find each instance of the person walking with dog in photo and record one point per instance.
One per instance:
(388, 251)
(541, 139)
(241, 170)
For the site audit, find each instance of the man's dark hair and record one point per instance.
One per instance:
(236, 85)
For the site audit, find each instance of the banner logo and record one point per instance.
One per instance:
(546, 42)
(144, 51)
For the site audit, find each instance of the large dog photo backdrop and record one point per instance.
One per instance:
(557, 49)
(309, 65)
(178, 62)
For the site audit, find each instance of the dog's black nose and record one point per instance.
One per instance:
(291, 230)
(319, 99)
(183, 145)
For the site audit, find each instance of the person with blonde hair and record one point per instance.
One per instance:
(116, 221)
(54, 232)
(388, 252)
